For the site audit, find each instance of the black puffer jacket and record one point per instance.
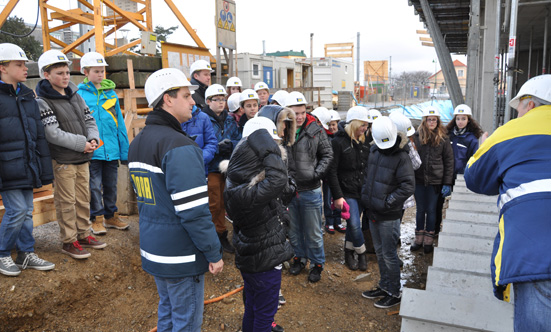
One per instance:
(347, 172)
(254, 204)
(199, 94)
(390, 180)
(25, 161)
(310, 156)
(437, 163)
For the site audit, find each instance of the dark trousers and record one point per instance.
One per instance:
(426, 198)
(103, 188)
(261, 297)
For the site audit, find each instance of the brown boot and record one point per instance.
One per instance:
(97, 226)
(418, 243)
(428, 241)
(115, 222)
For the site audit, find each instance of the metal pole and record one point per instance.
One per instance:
(511, 58)
(546, 25)
(496, 63)
(358, 58)
(312, 63)
(530, 51)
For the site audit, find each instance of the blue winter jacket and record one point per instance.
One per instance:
(224, 127)
(200, 129)
(25, 161)
(515, 162)
(177, 236)
(104, 107)
(464, 146)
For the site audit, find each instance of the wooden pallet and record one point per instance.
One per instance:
(44, 209)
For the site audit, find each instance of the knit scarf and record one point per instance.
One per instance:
(457, 131)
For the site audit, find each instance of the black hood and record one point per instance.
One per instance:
(284, 119)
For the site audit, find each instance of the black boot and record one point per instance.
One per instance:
(226, 245)
(350, 260)
(362, 262)
(418, 243)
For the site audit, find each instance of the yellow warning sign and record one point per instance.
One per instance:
(226, 26)
(232, 28)
(220, 23)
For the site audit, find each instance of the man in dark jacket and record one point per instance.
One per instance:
(200, 72)
(178, 242)
(309, 160)
(25, 161)
(390, 180)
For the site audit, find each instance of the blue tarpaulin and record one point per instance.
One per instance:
(416, 111)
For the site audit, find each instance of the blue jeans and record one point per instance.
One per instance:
(354, 233)
(16, 229)
(103, 175)
(332, 217)
(305, 229)
(426, 198)
(532, 306)
(385, 240)
(180, 303)
(261, 297)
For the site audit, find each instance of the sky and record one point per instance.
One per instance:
(387, 27)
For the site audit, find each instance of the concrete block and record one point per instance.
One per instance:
(33, 68)
(126, 198)
(466, 242)
(121, 79)
(457, 204)
(32, 82)
(452, 259)
(475, 217)
(413, 325)
(140, 63)
(460, 283)
(474, 197)
(466, 228)
(464, 312)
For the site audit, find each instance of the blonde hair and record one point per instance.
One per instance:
(351, 129)
(432, 137)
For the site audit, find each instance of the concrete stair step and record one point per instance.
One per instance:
(413, 325)
(470, 243)
(446, 258)
(458, 204)
(462, 189)
(459, 282)
(474, 217)
(474, 197)
(463, 312)
(467, 228)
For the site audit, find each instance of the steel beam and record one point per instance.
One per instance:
(511, 58)
(472, 57)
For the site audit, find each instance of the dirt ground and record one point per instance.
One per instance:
(110, 292)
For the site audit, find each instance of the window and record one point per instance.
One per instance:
(346, 69)
(256, 70)
(460, 73)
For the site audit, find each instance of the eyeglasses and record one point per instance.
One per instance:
(432, 120)
(218, 100)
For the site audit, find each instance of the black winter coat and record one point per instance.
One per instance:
(310, 156)
(199, 94)
(347, 171)
(254, 203)
(25, 161)
(390, 180)
(437, 163)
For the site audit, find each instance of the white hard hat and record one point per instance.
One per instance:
(199, 65)
(233, 81)
(215, 90)
(261, 86)
(260, 122)
(431, 111)
(233, 101)
(403, 123)
(162, 81)
(335, 116)
(372, 115)
(280, 96)
(12, 52)
(323, 116)
(384, 132)
(462, 110)
(295, 98)
(49, 58)
(248, 94)
(357, 113)
(92, 59)
(539, 86)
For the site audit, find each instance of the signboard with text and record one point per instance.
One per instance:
(225, 24)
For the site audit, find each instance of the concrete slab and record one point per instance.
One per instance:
(466, 242)
(458, 204)
(475, 217)
(474, 197)
(140, 63)
(413, 325)
(460, 283)
(464, 312)
(452, 259)
(32, 82)
(121, 79)
(466, 228)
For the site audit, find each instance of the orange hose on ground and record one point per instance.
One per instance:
(216, 299)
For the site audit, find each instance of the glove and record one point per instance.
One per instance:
(446, 190)
(225, 147)
(124, 162)
(289, 192)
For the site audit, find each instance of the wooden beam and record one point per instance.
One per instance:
(7, 11)
(69, 14)
(45, 28)
(339, 45)
(427, 39)
(422, 32)
(339, 55)
(61, 27)
(113, 29)
(123, 47)
(123, 13)
(63, 44)
(111, 47)
(130, 69)
(80, 40)
(427, 44)
(87, 4)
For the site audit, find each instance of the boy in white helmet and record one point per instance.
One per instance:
(98, 93)
(72, 136)
(26, 163)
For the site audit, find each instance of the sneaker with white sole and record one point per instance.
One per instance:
(281, 298)
(29, 260)
(75, 250)
(91, 242)
(388, 302)
(8, 267)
